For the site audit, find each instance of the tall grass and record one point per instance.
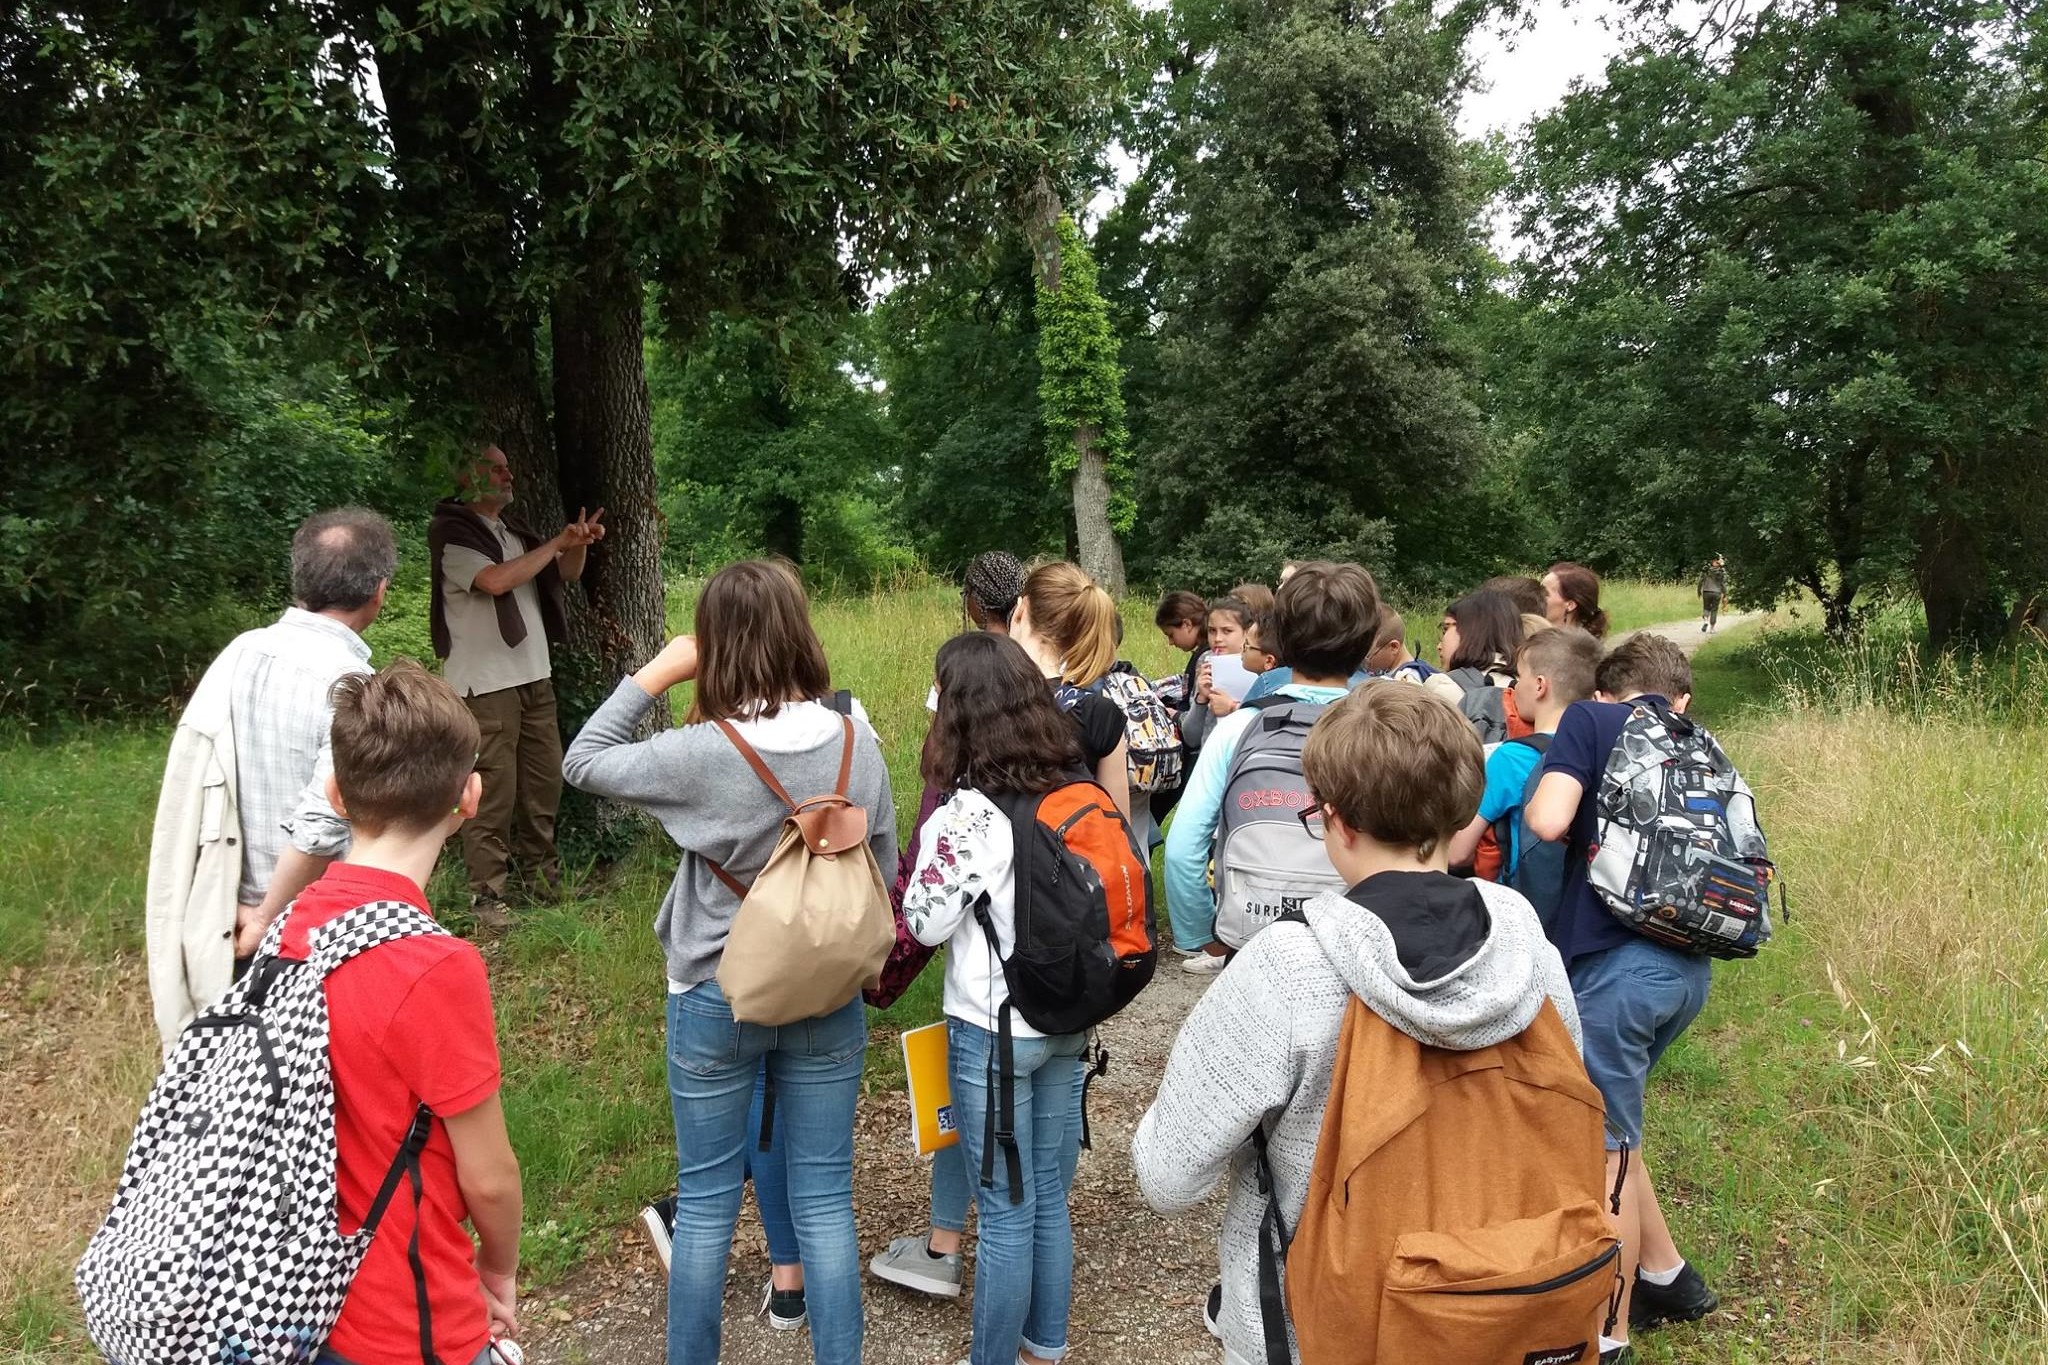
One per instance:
(1860, 1114)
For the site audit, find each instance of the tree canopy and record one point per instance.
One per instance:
(1190, 289)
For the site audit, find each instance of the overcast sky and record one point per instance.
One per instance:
(1530, 70)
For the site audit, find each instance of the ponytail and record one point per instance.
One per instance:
(1073, 612)
(1580, 586)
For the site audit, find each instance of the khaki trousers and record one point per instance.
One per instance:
(521, 766)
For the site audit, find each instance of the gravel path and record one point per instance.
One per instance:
(1688, 635)
(1139, 1279)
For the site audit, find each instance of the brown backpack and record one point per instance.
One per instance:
(1454, 1213)
(813, 929)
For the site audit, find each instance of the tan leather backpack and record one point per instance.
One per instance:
(1455, 1211)
(814, 928)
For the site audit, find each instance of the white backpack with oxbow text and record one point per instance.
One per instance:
(224, 1245)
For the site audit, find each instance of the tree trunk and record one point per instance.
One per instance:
(606, 450)
(1102, 559)
(513, 414)
(1954, 585)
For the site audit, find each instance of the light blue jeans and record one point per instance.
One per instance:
(771, 1180)
(1024, 1256)
(713, 1066)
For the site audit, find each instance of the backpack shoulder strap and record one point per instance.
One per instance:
(1269, 701)
(365, 927)
(761, 771)
(1539, 742)
(841, 701)
(845, 757)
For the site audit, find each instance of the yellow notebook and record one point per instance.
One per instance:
(931, 1092)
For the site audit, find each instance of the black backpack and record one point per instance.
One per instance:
(1084, 943)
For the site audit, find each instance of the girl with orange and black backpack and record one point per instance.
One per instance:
(1031, 876)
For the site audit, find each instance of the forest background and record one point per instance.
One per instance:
(1181, 291)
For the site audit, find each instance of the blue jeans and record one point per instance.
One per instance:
(1024, 1258)
(770, 1177)
(1634, 1000)
(713, 1067)
(952, 1187)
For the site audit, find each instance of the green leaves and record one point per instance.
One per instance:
(1788, 297)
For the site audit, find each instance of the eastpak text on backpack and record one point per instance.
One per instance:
(224, 1243)
(1083, 942)
(1267, 863)
(1456, 1210)
(815, 926)
(1678, 854)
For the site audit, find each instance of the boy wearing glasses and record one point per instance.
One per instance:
(1454, 964)
(1322, 623)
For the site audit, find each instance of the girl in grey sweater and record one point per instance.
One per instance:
(757, 664)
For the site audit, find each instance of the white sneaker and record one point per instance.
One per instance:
(1204, 964)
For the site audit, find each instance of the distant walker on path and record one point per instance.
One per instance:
(1713, 588)
(497, 605)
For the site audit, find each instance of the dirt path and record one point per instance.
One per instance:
(1139, 1279)
(1688, 635)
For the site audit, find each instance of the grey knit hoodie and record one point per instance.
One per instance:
(1260, 1045)
(714, 806)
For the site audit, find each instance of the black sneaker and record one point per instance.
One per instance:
(1685, 1299)
(784, 1307)
(658, 1221)
(1212, 1311)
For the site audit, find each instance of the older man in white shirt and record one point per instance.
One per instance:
(243, 822)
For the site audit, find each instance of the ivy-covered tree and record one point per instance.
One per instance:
(484, 239)
(1789, 276)
(1081, 400)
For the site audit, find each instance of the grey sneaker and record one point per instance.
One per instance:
(910, 1263)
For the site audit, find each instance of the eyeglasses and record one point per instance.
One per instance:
(1311, 818)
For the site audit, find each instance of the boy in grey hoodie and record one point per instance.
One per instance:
(1450, 963)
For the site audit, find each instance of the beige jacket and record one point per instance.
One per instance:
(195, 859)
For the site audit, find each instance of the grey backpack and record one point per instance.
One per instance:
(1485, 704)
(224, 1244)
(1267, 863)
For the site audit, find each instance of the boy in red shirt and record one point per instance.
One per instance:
(411, 1024)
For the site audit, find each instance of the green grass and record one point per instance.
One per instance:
(1632, 605)
(1825, 1147)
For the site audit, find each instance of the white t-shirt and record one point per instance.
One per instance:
(479, 660)
(964, 849)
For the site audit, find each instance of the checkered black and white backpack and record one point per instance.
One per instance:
(224, 1246)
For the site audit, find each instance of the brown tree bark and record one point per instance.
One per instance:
(604, 442)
